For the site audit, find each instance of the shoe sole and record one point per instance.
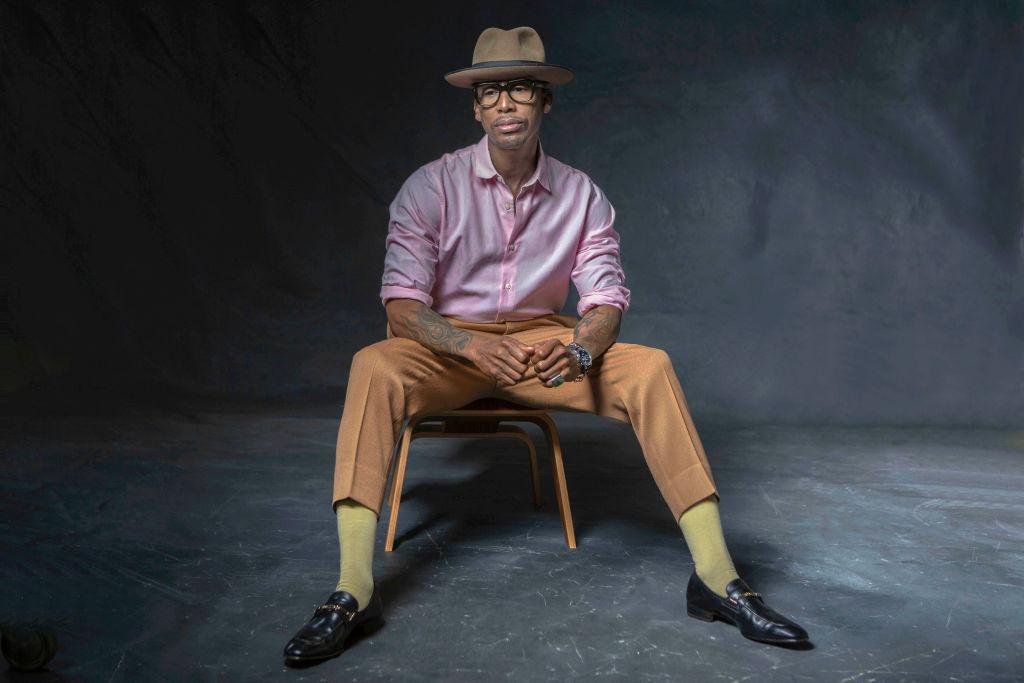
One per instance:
(364, 629)
(702, 614)
(707, 615)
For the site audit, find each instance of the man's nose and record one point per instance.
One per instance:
(505, 101)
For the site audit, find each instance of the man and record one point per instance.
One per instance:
(481, 247)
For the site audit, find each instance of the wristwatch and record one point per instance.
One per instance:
(583, 356)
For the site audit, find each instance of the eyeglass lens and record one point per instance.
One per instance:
(487, 94)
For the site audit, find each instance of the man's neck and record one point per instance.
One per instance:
(514, 165)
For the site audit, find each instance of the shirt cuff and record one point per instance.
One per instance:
(396, 292)
(616, 296)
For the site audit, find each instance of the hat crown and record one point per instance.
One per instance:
(497, 45)
(515, 53)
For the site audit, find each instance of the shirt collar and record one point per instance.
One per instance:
(484, 167)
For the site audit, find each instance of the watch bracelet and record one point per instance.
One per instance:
(575, 349)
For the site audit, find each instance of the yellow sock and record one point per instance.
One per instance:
(357, 531)
(703, 531)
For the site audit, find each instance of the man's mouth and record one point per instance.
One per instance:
(509, 127)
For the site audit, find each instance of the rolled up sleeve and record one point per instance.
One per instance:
(597, 272)
(412, 242)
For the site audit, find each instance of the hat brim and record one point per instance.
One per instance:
(492, 71)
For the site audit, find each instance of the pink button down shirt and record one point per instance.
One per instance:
(460, 243)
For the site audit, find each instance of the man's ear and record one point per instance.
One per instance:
(549, 99)
(476, 111)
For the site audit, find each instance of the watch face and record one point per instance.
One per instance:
(582, 355)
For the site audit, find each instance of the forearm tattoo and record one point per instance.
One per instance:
(598, 329)
(426, 326)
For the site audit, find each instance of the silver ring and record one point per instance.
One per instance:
(557, 380)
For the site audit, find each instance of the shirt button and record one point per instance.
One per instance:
(508, 207)
(508, 285)
(511, 247)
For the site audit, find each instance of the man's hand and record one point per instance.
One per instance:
(504, 358)
(550, 358)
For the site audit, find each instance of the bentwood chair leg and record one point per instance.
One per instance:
(534, 474)
(558, 471)
(396, 483)
(518, 433)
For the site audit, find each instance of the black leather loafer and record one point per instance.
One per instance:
(330, 626)
(744, 609)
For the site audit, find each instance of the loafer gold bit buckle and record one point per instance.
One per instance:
(348, 614)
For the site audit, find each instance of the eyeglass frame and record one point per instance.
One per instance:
(503, 86)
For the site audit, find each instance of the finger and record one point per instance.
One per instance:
(506, 376)
(541, 352)
(551, 381)
(555, 357)
(544, 349)
(517, 376)
(551, 345)
(515, 367)
(518, 350)
(558, 368)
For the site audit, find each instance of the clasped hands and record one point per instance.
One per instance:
(507, 360)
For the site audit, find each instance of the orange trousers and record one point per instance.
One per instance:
(397, 378)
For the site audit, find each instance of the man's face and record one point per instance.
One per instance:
(510, 124)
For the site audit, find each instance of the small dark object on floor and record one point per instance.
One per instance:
(28, 649)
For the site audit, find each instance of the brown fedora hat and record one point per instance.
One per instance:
(503, 54)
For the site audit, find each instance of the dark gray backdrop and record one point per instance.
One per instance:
(820, 203)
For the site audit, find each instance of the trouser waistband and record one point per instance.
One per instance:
(510, 326)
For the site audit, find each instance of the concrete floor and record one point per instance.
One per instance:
(192, 544)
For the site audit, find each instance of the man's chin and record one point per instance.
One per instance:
(513, 141)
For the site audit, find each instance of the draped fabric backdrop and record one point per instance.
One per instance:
(820, 203)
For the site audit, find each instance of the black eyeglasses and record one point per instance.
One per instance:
(521, 90)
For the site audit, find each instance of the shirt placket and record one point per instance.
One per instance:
(509, 216)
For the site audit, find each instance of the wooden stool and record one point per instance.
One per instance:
(483, 418)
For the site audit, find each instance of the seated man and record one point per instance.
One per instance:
(481, 247)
